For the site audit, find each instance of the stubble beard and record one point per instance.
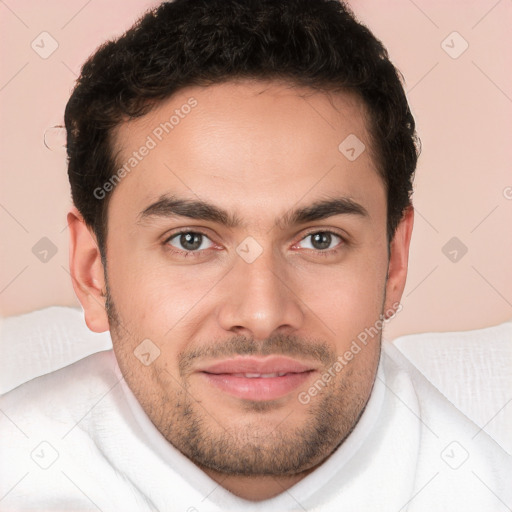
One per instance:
(249, 448)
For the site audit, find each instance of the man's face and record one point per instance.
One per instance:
(248, 317)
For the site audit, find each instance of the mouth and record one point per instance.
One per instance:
(259, 379)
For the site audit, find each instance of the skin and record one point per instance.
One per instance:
(276, 151)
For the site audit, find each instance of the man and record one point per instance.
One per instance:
(242, 175)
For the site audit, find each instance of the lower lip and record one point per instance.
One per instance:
(258, 388)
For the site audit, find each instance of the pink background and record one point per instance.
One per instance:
(463, 109)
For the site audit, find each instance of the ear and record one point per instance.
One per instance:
(87, 272)
(398, 260)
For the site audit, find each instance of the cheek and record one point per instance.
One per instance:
(161, 301)
(155, 299)
(347, 296)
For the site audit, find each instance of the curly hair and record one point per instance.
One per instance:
(314, 43)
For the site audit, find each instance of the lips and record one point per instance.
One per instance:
(266, 365)
(258, 379)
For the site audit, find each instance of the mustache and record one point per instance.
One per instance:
(290, 346)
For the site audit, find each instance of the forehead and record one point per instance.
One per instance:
(250, 145)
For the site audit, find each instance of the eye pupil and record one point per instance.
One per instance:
(191, 241)
(321, 240)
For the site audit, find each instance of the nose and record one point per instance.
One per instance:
(260, 299)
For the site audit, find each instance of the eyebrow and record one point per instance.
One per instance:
(172, 206)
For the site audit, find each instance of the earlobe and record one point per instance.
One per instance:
(398, 260)
(87, 273)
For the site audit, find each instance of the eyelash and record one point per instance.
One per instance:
(200, 253)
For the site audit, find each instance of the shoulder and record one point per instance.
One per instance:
(51, 404)
(459, 463)
(67, 387)
(42, 429)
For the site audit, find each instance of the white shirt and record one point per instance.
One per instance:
(77, 439)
